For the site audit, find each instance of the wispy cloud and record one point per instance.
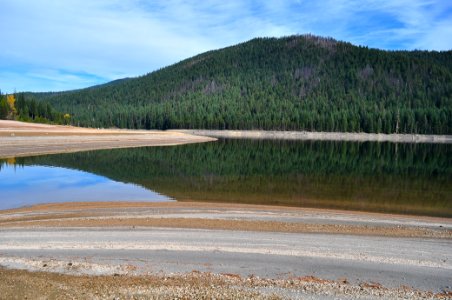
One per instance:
(57, 45)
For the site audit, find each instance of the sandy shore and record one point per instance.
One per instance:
(220, 216)
(18, 284)
(322, 136)
(200, 250)
(27, 139)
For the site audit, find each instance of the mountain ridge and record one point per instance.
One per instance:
(301, 82)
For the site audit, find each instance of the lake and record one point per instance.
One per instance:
(28, 185)
(366, 176)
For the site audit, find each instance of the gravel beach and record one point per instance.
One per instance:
(193, 249)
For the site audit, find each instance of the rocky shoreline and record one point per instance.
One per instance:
(323, 136)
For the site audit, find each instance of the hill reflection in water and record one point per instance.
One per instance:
(381, 177)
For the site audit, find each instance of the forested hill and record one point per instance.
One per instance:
(292, 83)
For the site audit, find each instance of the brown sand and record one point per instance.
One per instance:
(27, 139)
(19, 284)
(141, 214)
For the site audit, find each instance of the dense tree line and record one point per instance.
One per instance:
(293, 83)
(17, 107)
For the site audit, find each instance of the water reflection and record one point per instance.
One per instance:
(29, 185)
(383, 177)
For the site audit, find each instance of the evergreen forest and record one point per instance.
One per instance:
(17, 107)
(301, 82)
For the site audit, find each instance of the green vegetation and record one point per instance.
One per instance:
(387, 177)
(17, 107)
(293, 83)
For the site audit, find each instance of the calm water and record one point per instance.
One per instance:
(28, 185)
(384, 177)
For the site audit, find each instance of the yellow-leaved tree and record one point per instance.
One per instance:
(11, 102)
(67, 119)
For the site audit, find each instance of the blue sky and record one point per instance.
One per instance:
(50, 45)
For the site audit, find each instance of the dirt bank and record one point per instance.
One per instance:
(27, 139)
(220, 216)
(18, 284)
(322, 136)
(199, 250)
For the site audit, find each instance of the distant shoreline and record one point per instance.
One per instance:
(322, 136)
(29, 139)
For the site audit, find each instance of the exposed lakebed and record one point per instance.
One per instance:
(367, 176)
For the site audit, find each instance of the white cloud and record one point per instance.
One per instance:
(101, 40)
(438, 38)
